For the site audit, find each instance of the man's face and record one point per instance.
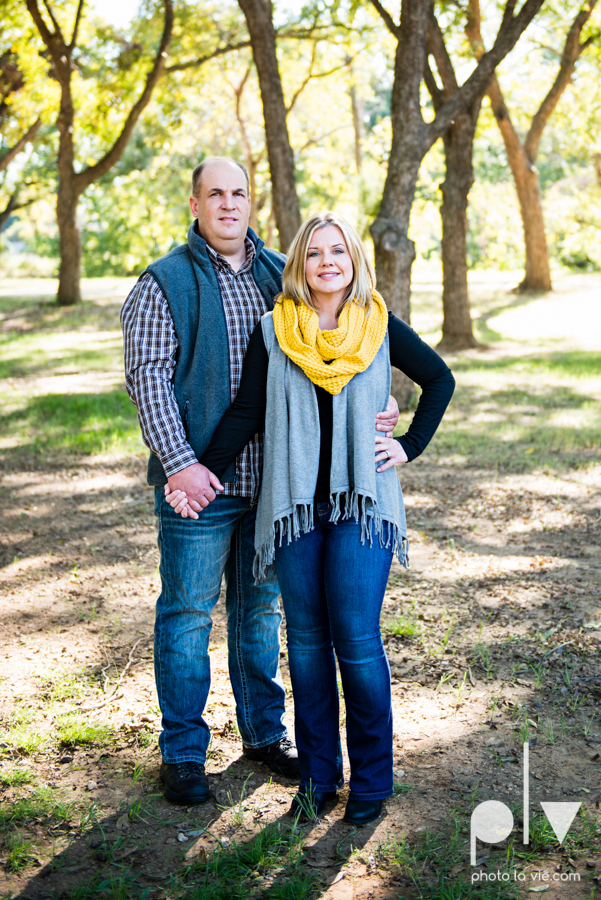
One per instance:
(222, 206)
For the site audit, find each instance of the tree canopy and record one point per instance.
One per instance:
(336, 66)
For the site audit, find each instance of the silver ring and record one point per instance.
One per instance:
(387, 455)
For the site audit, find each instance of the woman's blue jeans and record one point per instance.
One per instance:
(195, 554)
(332, 589)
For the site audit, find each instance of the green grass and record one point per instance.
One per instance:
(520, 415)
(73, 730)
(42, 803)
(58, 687)
(23, 739)
(233, 873)
(16, 777)
(402, 627)
(20, 852)
(428, 861)
(73, 424)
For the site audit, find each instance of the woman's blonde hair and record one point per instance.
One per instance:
(294, 280)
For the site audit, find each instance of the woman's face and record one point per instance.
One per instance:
(328, 267)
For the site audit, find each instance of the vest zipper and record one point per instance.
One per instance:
(185, 416)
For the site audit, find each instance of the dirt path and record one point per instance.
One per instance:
(493, 635)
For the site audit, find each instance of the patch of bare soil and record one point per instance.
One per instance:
(493, 637)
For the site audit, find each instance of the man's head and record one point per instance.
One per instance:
(221, 202)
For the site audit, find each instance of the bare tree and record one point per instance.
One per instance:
(521, 154)
(72, 183)
(259, 18)
(412, 137)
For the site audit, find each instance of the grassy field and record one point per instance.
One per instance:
(493, 635)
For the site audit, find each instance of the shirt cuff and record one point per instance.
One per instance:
(177, 460)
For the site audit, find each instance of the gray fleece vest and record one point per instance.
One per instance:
(201, 381)
(291, 457)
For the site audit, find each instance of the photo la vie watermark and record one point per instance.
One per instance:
(492, 822)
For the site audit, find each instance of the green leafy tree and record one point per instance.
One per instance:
(59, 30)
(522, 152)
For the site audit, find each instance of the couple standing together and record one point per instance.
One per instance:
(261, 383)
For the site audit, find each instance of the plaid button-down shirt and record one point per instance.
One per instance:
(150, 346)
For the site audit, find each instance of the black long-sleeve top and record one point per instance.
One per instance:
(246, 415)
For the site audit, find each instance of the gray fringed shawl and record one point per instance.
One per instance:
(291, 457)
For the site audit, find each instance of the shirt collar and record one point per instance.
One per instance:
(219, 261)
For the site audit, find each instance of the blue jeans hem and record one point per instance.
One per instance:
(266, 743)
(373, 795)
(185, 757)
(322, 787)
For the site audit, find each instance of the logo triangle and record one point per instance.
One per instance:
(560, 816)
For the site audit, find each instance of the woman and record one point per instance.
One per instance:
(330, 515)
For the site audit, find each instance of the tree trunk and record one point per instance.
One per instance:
(525, 176)
(258, 16)
(394, 250)
(67, 197)
(538, 273)
(457, 331)
(69, 273)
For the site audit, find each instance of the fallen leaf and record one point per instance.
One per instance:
(122, 822)
(538, 888)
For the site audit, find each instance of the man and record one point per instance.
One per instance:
(186, 326)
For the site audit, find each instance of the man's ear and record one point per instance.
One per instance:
(194, 206)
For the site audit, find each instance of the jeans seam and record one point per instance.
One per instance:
(239, 654)
(157, 625)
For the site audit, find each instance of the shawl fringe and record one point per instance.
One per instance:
(345, 505)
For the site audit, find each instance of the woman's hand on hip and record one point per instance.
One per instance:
(389, 452)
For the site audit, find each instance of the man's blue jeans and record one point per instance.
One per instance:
(332, 590)
(195, 553)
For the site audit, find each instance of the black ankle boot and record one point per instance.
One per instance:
(360, 812)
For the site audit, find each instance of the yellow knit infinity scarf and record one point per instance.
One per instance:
(351, 347)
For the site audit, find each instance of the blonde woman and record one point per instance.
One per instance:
(330, 512)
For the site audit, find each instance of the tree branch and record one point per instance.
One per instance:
(320, 138)
(433, 89)
(473, 33)
(238, 92)
(10, 154)
(93, 173)
(12, 205)
(57, 28)
(507, 37)
(51, 40)
(312, 75)
(76, 25)
(194, 63)
(388, 20)
(571, 52)
(436, 47)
